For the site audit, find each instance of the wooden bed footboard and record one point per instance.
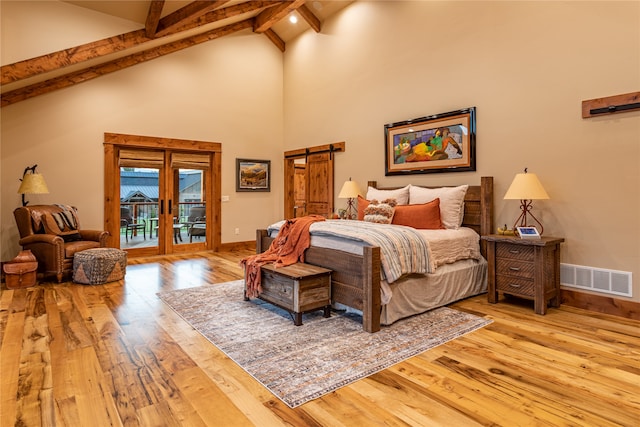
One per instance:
(355, 279)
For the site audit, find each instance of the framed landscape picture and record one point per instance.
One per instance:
(443, 142)
(253, 175)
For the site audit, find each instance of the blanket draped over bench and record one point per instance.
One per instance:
(288, 248)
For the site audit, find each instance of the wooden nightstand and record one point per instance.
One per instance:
(527, 268)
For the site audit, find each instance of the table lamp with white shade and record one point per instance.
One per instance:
(349, 191)
(526, 187)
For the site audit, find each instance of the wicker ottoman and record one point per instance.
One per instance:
(99, 265)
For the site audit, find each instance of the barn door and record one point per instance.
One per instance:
(319, 184)
(318, 180)
(300, 189)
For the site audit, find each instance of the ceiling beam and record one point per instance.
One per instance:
(227, 12)
(52, 61)
(275, 39)
(153, 17)
(90, 73)
(63, 58)
(269, 17)
(308, 16)
(186, 14)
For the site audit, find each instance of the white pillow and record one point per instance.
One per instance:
(451, 202)
(400, 194)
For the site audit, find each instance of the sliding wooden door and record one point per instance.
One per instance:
(318, 180)
(169, 191)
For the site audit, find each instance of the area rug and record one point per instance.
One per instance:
(301, 363)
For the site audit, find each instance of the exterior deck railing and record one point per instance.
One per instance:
(148, 210)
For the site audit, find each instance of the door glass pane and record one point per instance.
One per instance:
(190, 220)
(139, 189)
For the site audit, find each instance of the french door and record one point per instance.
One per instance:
(162, 195)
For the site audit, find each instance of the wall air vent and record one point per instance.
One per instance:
(596, 279)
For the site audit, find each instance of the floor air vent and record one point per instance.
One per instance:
(596, 279)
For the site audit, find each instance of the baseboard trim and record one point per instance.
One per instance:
(237, 246)
(601, 304)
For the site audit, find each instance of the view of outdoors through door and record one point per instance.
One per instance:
(139, 209)
(141, 206)
(190, 212)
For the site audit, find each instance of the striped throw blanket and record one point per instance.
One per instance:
(402, 249)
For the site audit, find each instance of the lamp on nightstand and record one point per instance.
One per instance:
(349, 191)
(526, 187)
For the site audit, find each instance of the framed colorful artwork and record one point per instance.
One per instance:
(253, 175)
(443, 142)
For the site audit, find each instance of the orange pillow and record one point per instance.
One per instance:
(362, 205)
(425, 216)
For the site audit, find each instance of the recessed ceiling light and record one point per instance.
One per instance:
(293, 18)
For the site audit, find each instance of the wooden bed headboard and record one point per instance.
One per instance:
(478, 205)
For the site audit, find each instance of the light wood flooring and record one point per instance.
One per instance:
(114, 354)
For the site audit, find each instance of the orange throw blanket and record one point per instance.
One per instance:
(287, 248)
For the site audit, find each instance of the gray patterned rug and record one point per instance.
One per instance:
(301, 363)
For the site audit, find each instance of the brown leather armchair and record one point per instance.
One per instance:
(52, 233)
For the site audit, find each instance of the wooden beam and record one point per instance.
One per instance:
(610, 105)
(275, 39)
(267, 18)
(75, 55)
(308, 16)
(188, 13)
(71, 79)
(63, 58)
(225, 13)
(153, 17)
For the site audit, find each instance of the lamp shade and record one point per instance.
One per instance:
(526, 186)
(33, 183)
(349, 190)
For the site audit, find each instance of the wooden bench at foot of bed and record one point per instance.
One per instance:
(298, 288)
(355, 279)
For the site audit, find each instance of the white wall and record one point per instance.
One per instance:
(526, 66)
(228, 90)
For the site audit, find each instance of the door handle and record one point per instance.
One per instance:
(161, 207)
(170, 209)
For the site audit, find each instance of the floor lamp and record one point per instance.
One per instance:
(32, 183)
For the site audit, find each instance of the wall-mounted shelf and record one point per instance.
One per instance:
(610, 105)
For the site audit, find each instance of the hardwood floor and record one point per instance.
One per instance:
(114, 354)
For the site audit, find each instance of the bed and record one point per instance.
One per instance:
(356, 272)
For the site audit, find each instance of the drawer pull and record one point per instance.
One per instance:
(514, 268)
(514, 251)
(514, 285)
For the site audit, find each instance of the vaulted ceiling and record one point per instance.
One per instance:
(166, 26)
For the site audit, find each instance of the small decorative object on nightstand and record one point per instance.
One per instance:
(526, 268)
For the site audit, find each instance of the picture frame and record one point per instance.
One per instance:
(253, 175)
(443, 142)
